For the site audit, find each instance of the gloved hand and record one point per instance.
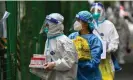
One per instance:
(111, 48)
(49, 66)
(108, 50)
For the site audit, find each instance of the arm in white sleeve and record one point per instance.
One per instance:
(69, 57)
(46, 43)
(113, 40)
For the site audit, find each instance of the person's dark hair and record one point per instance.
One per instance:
(88, 26)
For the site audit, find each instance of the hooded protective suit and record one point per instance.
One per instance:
(59, 49)
(124, 34)
(108, 33)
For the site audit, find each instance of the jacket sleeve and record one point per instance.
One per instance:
(114, 40)
(96, 51)
(73, 35)
(69, 57)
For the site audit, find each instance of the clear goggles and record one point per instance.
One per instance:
(97, 8)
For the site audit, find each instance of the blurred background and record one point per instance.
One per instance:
(20, 38)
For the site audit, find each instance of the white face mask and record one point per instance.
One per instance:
(77, 26)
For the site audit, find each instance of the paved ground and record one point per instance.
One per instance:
(127, 69)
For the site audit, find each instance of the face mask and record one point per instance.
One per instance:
(46, 30)
(96, 16)
(77, 26)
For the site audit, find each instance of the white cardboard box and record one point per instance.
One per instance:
(37, 61)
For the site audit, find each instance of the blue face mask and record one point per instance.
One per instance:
(46, 30)
(96, 16)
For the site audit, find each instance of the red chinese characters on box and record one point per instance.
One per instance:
(37, 61)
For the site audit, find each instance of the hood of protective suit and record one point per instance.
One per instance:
(55, 28)
(53, 25)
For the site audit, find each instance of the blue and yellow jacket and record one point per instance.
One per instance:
(88, 68)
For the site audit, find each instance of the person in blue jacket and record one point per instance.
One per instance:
(89, 53)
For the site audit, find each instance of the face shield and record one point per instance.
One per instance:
(97, 10)
(52, 25)
(71, 29)
(49, 21)
(45, 25)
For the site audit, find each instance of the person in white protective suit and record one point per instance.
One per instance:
(61, 56)
(124, 34)
(107, 32)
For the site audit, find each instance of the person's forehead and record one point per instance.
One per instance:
(79, 20)
(96, 7)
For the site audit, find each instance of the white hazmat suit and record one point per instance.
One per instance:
(107, 32)
(60, 50)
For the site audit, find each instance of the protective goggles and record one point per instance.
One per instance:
(97, 8)
(52, 20)
(97, 4)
